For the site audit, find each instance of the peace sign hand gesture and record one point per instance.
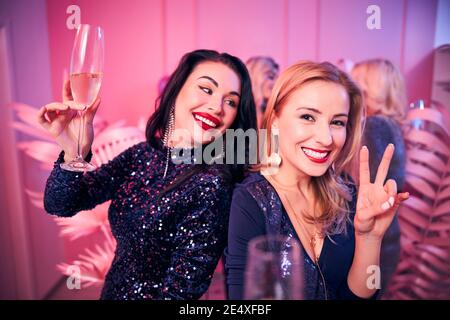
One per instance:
(377, 203)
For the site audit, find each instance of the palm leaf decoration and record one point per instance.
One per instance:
(85, 223)
(93, 264)
(424, 268)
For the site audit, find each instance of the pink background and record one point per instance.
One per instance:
(145, 40)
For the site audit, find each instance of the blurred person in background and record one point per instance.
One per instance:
(384, 94)
(263, 73)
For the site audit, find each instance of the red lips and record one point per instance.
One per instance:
(209, 117)
(317, 150)
(316, 160)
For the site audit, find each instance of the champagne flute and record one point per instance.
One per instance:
(86, 73)
(274, 269)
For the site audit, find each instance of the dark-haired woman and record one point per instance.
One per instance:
(169, 219)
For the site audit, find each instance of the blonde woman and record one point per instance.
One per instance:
(385, 103)
(384, 93)
(263, 73)
(316, 111)
(383, 88)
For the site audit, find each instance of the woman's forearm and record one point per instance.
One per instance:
(366, 261)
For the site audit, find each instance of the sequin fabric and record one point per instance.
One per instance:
(278, 222)
(167, 247)
(257, 210)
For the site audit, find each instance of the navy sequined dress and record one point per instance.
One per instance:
(167, 247)
(257, 210)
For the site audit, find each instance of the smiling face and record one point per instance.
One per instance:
(312, 128)
(207, 103)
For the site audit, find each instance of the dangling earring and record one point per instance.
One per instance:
(222, 154)
(275, 160)
(272, 165)
(167, 135)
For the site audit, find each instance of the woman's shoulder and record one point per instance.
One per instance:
(218, 174)
(214, 175)
(211, 180)
(126, 154)
(253, 189)
(249, 197)
(250, 180)
(381, 125)
(382, 119)
(143, 149)
(136, 149)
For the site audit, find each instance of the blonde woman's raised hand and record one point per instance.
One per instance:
(378, 201)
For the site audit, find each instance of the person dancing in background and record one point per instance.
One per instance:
(384, 94)
(263, 73)
(169, 219)
(316, 111)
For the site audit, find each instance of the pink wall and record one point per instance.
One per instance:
(418, 47)
(406, 37)
(133, 52)
(344, 33)
(25, 23)
(145, 39)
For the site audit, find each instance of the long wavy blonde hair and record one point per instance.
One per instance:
(383, 86)
(331, 189)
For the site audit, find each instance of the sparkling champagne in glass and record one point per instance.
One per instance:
(274, 269)
(86, 73)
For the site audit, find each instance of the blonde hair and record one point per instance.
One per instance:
(256, 66)
(331, 190)
(384, 83)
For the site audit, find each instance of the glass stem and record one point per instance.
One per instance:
(80, 130)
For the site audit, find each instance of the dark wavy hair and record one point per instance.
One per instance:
(245, 118)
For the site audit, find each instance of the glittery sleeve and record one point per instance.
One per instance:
(67, 193)
(199, 241)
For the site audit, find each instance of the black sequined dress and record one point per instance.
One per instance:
(167, 247)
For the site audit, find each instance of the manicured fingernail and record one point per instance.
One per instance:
(364, 147)
(391, 201)
(386, 205)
